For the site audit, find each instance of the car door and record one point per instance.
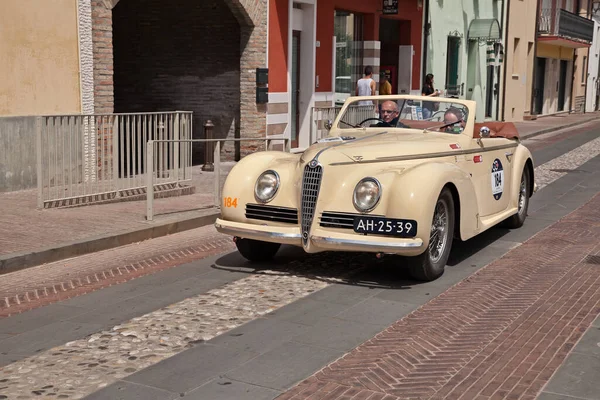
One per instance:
(491, 167)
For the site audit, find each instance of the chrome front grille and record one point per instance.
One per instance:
(272, 213)
(311, 183)
(333, 219)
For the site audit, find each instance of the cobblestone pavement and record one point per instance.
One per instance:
(499, 334)
(84, 366)
(560, 166)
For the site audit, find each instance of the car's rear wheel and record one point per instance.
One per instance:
(517, 220)
(255, 250)
(430, 265)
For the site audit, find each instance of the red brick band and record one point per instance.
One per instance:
(501, 333)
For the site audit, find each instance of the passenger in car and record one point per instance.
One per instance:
(453, 121)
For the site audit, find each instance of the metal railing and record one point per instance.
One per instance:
(89, 158)
(559, 22)
(153, 153)
(353, 115)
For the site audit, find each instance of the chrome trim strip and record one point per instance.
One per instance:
(431, 155)
(236, 231)
(381, 245)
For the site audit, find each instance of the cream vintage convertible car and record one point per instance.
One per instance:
(385, 181)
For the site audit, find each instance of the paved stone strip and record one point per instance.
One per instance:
(38, 286)
(84, 366)
(501, 333)
(546, 173)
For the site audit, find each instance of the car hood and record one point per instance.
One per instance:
(417, 145)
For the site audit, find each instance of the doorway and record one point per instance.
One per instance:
(538, 89)
(562, 82)
(295, 112)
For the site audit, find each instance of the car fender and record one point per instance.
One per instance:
(239, 185)
(521, 157)
(415, 193)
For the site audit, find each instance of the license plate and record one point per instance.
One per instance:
(386, 226)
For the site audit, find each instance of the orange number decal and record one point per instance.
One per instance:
(230, 202)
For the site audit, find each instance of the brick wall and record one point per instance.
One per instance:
(183, 54)
(102, 49)
(179, 55)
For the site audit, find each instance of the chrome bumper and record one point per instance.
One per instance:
(321, 240)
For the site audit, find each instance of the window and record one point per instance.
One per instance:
(583, 70)
(348, 31)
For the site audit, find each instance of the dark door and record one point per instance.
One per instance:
(489, 91)
(452, 51)
(538, 89)
(562, 81)
(295, 112)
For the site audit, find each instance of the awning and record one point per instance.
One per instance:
(484, 29)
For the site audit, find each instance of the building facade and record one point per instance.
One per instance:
(564, 34)
(464, 50)
(105, 56)
(520, 49)
(318, 50)
(592, 102)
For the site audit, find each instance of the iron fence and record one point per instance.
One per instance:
(353, 115)
(90, 158)
(153, 151)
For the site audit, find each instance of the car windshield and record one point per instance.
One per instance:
(439, 114)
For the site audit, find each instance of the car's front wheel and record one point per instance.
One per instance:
(430, 265)
(255, 250)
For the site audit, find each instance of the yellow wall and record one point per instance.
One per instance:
(519, 60)
(546, 50)
(39, 57)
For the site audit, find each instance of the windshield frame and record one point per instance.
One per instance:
(339, 127)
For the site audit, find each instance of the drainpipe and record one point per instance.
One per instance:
(535, 43)
(572, 81)
(505, 53)
(426, 27)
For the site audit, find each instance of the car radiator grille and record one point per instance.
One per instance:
(272, 213)
(311, 183)
(332, 219)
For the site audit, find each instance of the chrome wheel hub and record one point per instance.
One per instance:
(438, 236)
(522, 195)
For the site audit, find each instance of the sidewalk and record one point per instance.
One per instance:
(30, 237)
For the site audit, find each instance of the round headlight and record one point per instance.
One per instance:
(367, 194)
(266, 186)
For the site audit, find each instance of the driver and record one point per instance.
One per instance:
(389, 114)
(454, 117)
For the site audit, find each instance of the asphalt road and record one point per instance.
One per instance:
(219, 328)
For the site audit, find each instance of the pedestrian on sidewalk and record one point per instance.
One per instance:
(385, 88)
(428, 90)
(366, 86)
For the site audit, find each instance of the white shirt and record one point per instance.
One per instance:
(364, 89)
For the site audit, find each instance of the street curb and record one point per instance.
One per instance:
(558, 128)
(27, 259)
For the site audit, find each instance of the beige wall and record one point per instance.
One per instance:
(579, 86)
(39, 67)
(519, 59)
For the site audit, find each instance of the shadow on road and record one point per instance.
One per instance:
(359, 269)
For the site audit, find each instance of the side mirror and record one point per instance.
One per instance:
(328, 124)
(484, 132)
